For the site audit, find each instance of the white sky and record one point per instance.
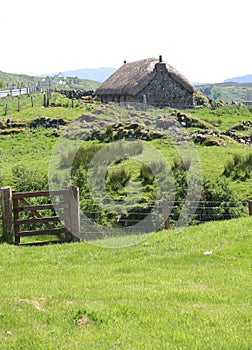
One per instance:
(207, 41)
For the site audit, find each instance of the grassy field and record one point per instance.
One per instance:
(162, 294)
(224, 117)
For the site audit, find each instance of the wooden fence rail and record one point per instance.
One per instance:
(21, 218)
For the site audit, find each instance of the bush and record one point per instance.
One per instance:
(239, 168)
(118, 178)
(218, 201)
(58, 100)
(83, 157)
(28, 180)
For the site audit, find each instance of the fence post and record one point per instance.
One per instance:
(45, 100)
(166, 215)
(72, 218)
(74, 211)
(250, 207)
(8, 234)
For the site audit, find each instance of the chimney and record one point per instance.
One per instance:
(160, 59)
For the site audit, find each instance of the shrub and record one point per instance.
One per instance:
(218, 201)
(83, 157)
(146, 175)
(118, 178)
(239, 168)
(28, 180)
(58, 100)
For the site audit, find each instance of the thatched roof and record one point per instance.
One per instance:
(131, 78)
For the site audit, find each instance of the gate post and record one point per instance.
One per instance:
(74, 211)
(250, 207)
(166, 215)
(8, 233)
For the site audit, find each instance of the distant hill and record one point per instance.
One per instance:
(96, 74)
(244, 79)
(17, 80)
(229, 91)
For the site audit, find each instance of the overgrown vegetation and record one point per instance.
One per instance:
(218, 200)
(28, 180)
(239, 168)
(126, 178)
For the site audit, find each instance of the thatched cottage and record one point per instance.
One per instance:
(150, 81)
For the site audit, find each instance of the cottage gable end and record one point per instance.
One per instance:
(151, 80)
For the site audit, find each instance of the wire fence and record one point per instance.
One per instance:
(15, 104)
(161, 214)
(147, 217)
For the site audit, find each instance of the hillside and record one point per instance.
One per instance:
(229, 91)
(226, 128)
(8, 80)
(96, 74)
(244, 79)
(17, 80)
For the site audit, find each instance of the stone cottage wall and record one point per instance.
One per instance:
(163, 91)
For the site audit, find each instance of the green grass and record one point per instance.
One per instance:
(212, 161)
(28, 113)
(31, 149)
(223, 118)
(24, 103)
(161, 294)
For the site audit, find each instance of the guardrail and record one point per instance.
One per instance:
(18, 92)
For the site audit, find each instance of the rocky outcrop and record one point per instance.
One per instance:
(243, 139)
(47, 122)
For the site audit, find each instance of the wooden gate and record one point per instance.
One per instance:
(41, 219)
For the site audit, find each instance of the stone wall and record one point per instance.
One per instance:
(163, 91)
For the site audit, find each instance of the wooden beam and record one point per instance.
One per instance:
(8, 234)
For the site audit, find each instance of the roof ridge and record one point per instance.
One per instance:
(132, 77)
